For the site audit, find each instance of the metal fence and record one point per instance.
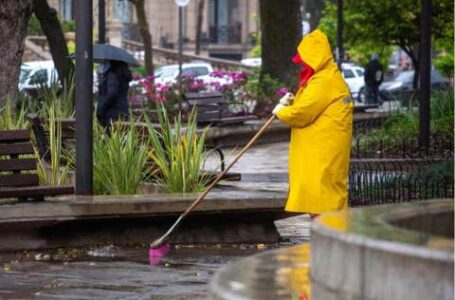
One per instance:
(376, 181)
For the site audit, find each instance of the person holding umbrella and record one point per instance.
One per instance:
(320, 116)
(113, 92)
(114, 79)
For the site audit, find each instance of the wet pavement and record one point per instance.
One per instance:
(109, 272)
(268, 158)
(116, 273)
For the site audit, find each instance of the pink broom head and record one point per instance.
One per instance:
(156, 254)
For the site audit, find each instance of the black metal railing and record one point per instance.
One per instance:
(376, 181)
(366, 125)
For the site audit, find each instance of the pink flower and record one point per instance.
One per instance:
(281, 92)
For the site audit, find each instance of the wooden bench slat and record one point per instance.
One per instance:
(206, 101)
(14, 184)
(9, 136)
(19, 180)
(36, 191)
(17, 148)
(17, 164)
(213, 108)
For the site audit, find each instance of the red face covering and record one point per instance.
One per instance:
(306, 72)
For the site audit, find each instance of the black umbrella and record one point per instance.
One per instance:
(102, 52)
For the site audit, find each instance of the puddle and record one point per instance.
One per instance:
(111, 272)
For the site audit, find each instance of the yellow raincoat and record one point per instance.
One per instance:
(321, 130)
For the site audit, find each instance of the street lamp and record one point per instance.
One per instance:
(181, 4)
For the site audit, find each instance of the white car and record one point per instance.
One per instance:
(167, 75)
(353, 75)
(39, 74)
(252, 62)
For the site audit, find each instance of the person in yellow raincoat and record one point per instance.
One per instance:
(320, 116)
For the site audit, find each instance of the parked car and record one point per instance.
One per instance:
(35, 75)
(353, 75)
(168, 74)
(402, 85)
(252, 62)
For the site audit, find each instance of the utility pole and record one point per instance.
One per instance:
(83, 95)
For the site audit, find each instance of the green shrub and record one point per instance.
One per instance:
(178, 153)
(55, 173)
(34, 26)
(442, 113)
(69, 26)
(445, 64)
(47, 96)
(11, 118)
(119, 160)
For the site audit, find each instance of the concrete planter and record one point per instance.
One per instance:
(364, 255)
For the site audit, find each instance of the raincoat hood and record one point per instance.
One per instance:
(314, 50)
(305, 72)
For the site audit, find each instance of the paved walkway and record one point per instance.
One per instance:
(265, 167)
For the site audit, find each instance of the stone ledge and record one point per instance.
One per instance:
(74, 221)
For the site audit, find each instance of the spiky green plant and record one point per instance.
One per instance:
(11, 118)
(54, 172)
(120, 159)
(442, 112)
(55, 93)
(178, 153)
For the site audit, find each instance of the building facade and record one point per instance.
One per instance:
(228, 26)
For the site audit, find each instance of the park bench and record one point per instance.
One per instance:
(18, 178)
(215, 109)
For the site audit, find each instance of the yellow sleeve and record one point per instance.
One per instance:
(308, 105)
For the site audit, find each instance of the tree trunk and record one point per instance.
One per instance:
(314, 8)
(281, 33)
(14, 16)
(146, 36)
(200, 16)
(50, 24)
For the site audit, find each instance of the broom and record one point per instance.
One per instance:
(161, 246)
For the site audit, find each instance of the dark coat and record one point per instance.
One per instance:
(113, 94)
(374, 73)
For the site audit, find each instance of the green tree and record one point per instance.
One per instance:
(375, 25)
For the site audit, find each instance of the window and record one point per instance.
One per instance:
(359, 72)
(348, 74)
(197, 71)
(39, 77)
(224, 21)
(24, 74)
(67, 10)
